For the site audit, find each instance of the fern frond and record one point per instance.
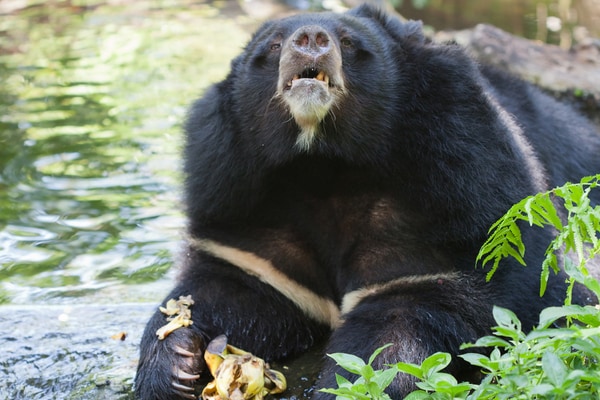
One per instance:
(580, 233)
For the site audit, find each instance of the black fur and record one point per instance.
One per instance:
(418, 155)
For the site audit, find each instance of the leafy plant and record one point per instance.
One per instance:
(558, 359)
(435, 384)
(547, 363)
(582, 226)
(370, 384)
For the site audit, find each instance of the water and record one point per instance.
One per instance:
(92, 96)
(91, 103)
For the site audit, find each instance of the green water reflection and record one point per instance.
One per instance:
(91, 102)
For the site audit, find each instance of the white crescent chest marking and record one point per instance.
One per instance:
(319, 308)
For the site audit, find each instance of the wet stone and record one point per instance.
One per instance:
(85, 352)
(68, 352)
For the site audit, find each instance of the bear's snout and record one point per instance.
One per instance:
(309, 51)
(310, 78)
(311, 41)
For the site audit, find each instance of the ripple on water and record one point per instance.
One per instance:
(90, 111)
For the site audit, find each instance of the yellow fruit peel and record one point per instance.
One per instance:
(239, 375)
(178, 315)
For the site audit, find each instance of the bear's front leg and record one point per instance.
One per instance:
(254, 315)
(418, 316)
(168, 367)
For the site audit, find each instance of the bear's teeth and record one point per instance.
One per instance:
(321, 76)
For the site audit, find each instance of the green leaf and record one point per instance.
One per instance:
(577, 239)
(361, 388)
(554, 368)
(549, 315)
(377, 352)
(442, 381)
(589, 224)
(514, 253)
(506, 318)
(594, 285)
(527, 209)
(349, 362)
(552, 215)
(411, 369)
(582, 227)
(549, 262)
(418, 395)
(367, 372)
(510, 332)
(490, 341)
(543, 389)
(588, 315)
(435, 362)
(346, 394)
(502, 254)
(374, 391)
(476, 359)
(461, 388)
(516, 239)
(341, 381)
(385, 377)
(494, 268)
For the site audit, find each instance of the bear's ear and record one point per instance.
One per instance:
(399, 30)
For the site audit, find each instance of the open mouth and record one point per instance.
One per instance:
(309, 73)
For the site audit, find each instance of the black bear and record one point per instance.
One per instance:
(339, 183)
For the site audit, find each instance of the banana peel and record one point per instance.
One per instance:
(239, 375)
(179, 315)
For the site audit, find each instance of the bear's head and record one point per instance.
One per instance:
(306, 78)
(310, 76)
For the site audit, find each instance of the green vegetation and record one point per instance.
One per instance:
(370, 384)
(558, 359)
(578, 236)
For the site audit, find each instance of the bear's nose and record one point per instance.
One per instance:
(311, 41)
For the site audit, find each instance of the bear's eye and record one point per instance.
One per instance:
(346, 42)
(275, 46)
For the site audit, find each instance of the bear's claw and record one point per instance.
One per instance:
(170, 368)
(183, 383)
(184, 376)
(182, 352)
(187, 392)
